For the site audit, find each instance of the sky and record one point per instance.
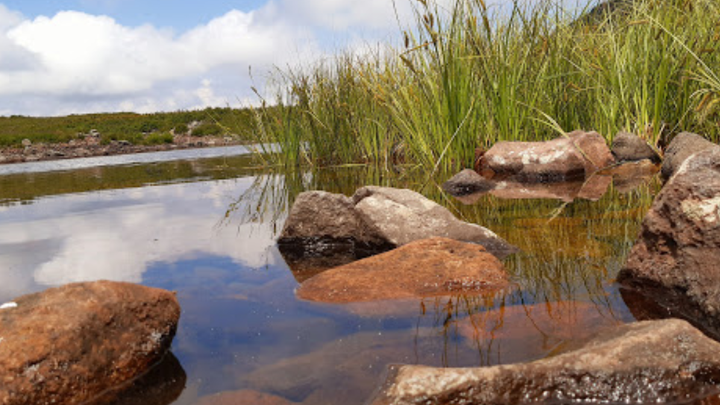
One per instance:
(60, 57)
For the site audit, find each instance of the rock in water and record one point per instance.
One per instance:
(70, 344)
(647, 362)
(675, 261)
(401, 216)
(628, 147)
(577, 155)
(375, 219)
(425, 268)
(467, 182)
(682, 147)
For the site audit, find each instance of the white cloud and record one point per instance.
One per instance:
(77, 61)
(74, 62)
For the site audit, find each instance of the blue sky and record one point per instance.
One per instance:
(61, 57)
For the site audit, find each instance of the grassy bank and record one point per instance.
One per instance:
(141, 129)
(470, 76)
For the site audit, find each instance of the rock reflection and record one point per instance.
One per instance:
(510, 334)
(162, 385)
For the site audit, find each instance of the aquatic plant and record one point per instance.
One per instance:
(470, 75)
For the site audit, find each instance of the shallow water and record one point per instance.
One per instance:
(206, 229)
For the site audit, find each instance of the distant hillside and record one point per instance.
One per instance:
(141, 129)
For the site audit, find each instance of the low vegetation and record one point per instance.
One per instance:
(469, 76)
(146, 129)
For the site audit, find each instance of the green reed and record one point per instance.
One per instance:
(469, 76)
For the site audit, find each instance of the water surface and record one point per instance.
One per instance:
(206, 228)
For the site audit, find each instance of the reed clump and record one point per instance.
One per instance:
(470, 75)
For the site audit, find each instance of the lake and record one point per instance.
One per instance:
(205, 226)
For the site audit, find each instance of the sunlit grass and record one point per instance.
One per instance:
(469, 76)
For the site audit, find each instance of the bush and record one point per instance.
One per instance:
(207, 129)
(158, 138)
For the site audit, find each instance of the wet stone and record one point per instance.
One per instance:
(248, 397)
(628, 147)
(425, 268)
(675, 258)
(69, 344)
(467, 182)
(646, 362)
(566, 158)
(680, 148)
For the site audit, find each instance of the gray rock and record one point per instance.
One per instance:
(467, 182)
(628, 147)
(647, 362)
(682, 147)
(401, 216)
(676, 258)
(323, 214)
(575, 156)
(376, 219)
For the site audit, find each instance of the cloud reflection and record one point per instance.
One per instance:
(116, 235)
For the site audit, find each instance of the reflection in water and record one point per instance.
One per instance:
(203, 230)
(162, 385)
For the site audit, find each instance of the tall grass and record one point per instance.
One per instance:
(469, 76)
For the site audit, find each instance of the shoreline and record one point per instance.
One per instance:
(90, 146)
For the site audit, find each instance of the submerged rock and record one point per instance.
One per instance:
(374, 220)
(70, 344)
(162, 385)
(467, 182)
(425, 268)
(676, 257)
(646, 362)
(241, 397)
(628, 147)
(521, 332)
(682, 147)
(575, 156)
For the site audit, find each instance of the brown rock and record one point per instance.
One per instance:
(70, 344)
(467, 182)
(675, 259)
(243, 397)
(647, 362)
(401, 216)
(162, 385)
(431, 267)
(536, 331)
(682, 147)
(628, 147)
(576, 156)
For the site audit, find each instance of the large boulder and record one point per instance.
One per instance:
(374, 220)
(682, 147)
(676, 257)
(70, 344)
(402, 216)
(628, 147)
(647, 362)
(425, 268)
(577, 155)
(332, 218)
